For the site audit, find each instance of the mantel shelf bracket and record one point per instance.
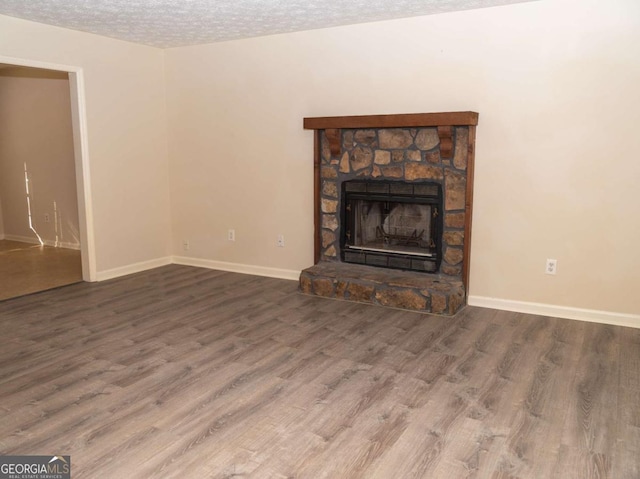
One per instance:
(333, 136)
(446, 141)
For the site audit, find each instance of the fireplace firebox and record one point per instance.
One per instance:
(392, 224)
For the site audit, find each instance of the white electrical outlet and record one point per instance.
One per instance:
(280, 241)
(231, 235)
(185, 245)
(47, 219)
(552, 266)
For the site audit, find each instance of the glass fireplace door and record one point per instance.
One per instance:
(392, 225)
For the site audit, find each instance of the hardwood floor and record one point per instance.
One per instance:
(182, 372)
(27, 268)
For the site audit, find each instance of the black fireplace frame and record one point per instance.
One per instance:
(399, 191)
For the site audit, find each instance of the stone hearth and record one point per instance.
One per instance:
(438, 294)
(416, 148)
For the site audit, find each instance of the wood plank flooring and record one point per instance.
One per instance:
(182, 372)
(27, 268)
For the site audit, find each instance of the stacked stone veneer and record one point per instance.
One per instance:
(403, 154)
(385, 287)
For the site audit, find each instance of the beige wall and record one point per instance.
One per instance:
(126, 123)
(556, 86)
(555, 83)
(35, 130)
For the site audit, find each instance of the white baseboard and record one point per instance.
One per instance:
(21, 239)
(238, 268)
(62, 244)
(132, 268)
(31, 240)
(591, 315)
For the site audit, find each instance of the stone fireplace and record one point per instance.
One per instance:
(393, 199)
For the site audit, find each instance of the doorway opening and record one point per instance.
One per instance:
(46, 234)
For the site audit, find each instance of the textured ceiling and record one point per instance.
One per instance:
(173, 23)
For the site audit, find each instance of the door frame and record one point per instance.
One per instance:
(81, 157)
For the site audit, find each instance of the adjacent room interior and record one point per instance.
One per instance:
(194, 196)
(39, 232)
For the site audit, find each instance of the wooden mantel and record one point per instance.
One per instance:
(445, 123)
(407, 120)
